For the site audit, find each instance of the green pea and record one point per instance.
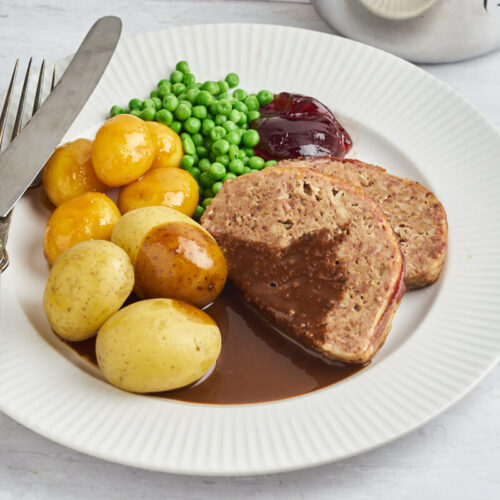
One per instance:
(233, 149)
(206, 180)
(207, 202)
(195, 172)
(163, 81)
(211, 87)
(224, 107)
(217, 133)
(187, 144)
(236, 166)
(116, 110)
(243, 119)
(157, 102)
(183, 112)
(148, 114)
(191, 95)
(216, 187)
(256, 162)
(245, 161)
(265, 97)
(244, 126)
(213, 108)
(182, 97)
(178, 88)
(235, 115)
(164, 91)
(249, 152)
(250, 138)
(197, 138)
(242, 155)
(200, 112)
(176, 77)
(207, 142)
(189, 79)
(253, 115)
(223, 86)
(220, 119)
(207, 192)
(217, 171)
(192, 125)
(233, 137)
(187, 162)
(182, 66)
(135, 104)
(153, 93)
(202, 151)
(246, 170)
(240, 94)
(136, 112)
(232, 80)
(230, 125)
(198, 212)
(147, 103)
(252, 102)
(164, 116)
(228, 176)
(204, 164)
(224, 159)
(204, 98)
(212, 156)
(270, 163)
(220, 147)
(206, 126)
(200, 188)
(170, 102)
(225, 96)
(240, 106)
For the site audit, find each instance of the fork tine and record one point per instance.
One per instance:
(20, 109)
(39, 88)
(53, 84)
(3, 117)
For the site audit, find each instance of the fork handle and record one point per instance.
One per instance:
(4, 233)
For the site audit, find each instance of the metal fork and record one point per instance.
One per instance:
(5, 221)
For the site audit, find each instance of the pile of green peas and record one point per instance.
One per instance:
(213, 124)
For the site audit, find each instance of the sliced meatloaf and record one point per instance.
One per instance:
(415, 214)
(314, 254)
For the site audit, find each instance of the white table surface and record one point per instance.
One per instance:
(456, 455)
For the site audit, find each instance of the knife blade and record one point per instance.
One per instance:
(25, 156)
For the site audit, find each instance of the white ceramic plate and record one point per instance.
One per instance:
(444, 339)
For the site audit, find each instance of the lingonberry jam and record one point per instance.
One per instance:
(294, 125)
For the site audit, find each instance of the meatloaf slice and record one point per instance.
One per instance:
(314, 254)
(415, 214)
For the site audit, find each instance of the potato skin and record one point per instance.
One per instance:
(86, 285)
(179, 261)
(69, 172)
(90, 216)
(169, 150)
(157, 345)
(169, 187)
(123, 150)
(133, 227)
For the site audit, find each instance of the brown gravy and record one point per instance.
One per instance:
(256, 364)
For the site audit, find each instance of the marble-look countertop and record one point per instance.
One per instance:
(456, 455)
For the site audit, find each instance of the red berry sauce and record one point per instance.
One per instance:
(294, 125)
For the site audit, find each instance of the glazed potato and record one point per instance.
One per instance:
(169, 150)
(123, 150)
(180, 261)
(69, 172)
(169, 187)
(86, 285)
(132, 228)
(157, 345)
(90, 216)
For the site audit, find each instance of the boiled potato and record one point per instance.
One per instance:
(132, 228)
(157, 345)
(86, 285)
(179, 261)
(69, 172)
(169, 150)
(123, 150)
(168, 187)
(90, 216)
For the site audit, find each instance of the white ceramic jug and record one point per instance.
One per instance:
(426, 31)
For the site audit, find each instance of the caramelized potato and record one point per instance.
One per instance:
(123, 150)
(169, 150)
(157, 345)
(132, 228)
(88, 284)
(168, 187)
(179, 261)
(90, 216)
(69, 172)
